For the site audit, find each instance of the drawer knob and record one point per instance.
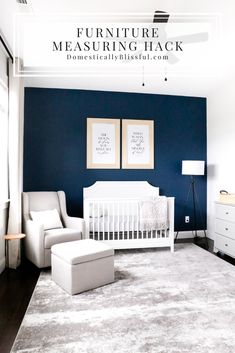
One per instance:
(227, 213)
(226, 228)
(226, 244)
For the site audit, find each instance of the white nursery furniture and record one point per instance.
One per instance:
(128, 214)
(45, 223)
(225, 228)
(78, 266)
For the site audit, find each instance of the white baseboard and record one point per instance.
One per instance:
(189, 234)
(2, 264)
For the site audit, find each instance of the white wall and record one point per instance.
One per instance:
(221, 145)
(221, 121)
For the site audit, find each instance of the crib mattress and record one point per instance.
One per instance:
(121, 223)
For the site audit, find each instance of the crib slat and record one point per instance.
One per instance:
(123, 221)
(93, 219)
(98, 218)
(113, 221)
(103, 218)
(132, 220)
(118, 212)
(88, 223)
(137, 219)
(141, 236)
(108, 220)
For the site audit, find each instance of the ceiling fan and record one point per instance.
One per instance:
(22, 1)
(163, 17)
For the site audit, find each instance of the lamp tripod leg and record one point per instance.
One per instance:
(194, 206)
(184, 206)
(200, 215)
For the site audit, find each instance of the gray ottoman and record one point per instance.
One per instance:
(81, 265)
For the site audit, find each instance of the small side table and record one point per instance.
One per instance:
(9, 237)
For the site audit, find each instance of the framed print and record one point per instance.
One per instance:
(103, 143)
(137, 144)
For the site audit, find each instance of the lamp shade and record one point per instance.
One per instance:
(193, 167)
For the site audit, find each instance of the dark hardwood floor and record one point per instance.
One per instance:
(17, 286)
(202, 243)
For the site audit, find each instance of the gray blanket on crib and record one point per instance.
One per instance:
(153, 214)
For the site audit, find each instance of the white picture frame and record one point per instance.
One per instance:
(137, 144)
(103, 143)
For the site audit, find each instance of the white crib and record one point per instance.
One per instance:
(112, 214)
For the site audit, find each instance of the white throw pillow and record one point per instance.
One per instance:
(50, 219)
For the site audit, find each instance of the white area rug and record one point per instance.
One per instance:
(160, 302)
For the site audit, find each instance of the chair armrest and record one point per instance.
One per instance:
(34, 242)
(70, 222)
(75, 223)
(34, 228)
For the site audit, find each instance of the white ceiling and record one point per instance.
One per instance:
(130, 5)
(180, 86)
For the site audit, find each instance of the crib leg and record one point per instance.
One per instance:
(172, 243)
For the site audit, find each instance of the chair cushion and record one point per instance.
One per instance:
(50, 219)
(63, 235)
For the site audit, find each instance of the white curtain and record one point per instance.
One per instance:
(16, 101)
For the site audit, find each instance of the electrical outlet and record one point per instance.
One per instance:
(187, 219)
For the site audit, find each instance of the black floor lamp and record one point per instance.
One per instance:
(193, 168)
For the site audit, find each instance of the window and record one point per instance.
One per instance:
(3, 128)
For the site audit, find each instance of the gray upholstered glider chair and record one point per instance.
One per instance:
(42, 233)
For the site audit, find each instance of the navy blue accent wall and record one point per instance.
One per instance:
(55, 142)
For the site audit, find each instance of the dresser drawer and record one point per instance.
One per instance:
(225, 245)
(225, 212)
(225, 228)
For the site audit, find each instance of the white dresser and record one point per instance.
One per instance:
(225, 228)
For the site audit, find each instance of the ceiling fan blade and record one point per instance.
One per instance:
(161, 17)
(172, 58)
